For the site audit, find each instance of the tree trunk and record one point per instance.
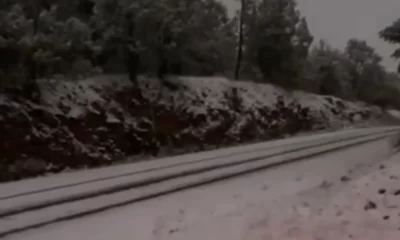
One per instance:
(33, 70)
(165, 39)
(31, 88)
(132, 60)
(240, 42)
(162, 63)
(132, 57)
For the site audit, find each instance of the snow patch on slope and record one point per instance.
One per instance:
(394, 113)
(197, 95)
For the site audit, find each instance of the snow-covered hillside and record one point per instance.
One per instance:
(102, 120)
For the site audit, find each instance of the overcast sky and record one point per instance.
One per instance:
(339, 20)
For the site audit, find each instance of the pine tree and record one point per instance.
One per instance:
(330, 71)
(391, 34)
(277, 40)
(360, 55)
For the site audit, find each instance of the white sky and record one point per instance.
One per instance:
(339, 20)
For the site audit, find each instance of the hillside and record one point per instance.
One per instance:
(103, 120)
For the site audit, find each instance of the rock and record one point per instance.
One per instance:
(382, 191)
(174, 230)
(325, 185)
(344, 179)
(339, 213)
(357, 117)
(340, 104)
(370, 205)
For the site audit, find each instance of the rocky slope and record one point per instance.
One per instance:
(102, 120)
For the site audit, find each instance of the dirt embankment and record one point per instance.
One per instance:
(103, 120)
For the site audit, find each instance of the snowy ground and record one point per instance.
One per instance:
(196, 95)
(323, 198)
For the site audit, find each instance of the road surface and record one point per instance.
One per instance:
(349, 194)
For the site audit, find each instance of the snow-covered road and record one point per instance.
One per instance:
(322, 198)
(42, 205)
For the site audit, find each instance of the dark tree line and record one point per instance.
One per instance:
(268, 40)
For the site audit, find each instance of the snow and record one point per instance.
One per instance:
(76, 112)
(319, 104)
(297, 201)
(394, 113)
(345, 211)
(80, 95)
(210, 92)
(72, 178)
(130, 195)
(196, 97)
(195, 94)
(112, 119)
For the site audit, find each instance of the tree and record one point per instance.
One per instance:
(302, 42)
(41, 42)
(361, 56)
(250, 44)
(20, 32)
(391, 34)
(199, 43)
(240, 42)
(114, 34)
(276, 54)
(168, 35)
(330, 71)
(277, 40)
(303, 38)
